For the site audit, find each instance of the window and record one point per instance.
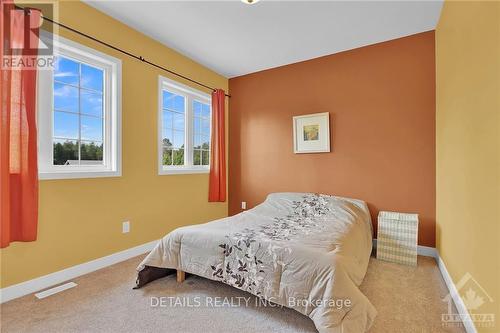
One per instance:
(79, 114)
(184, 129)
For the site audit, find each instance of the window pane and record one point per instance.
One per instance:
(173, 102)
(179, 103)
(168, 119)
(65, 97)
(168, 100)
(167, 156)
(205, 157)
(91, 153)
(66, 70)
(91, 128)
(179, 139)
(197, 108)
(178, 157)
(92, 78)
(66, 125)
(205, 126)
(178, 121)
(91, 103)
(205, 112)
(197, 157)
(167, 136)
(205, 142)
(65, 152)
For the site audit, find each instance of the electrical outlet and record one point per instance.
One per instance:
(126, 227)
(243, 205)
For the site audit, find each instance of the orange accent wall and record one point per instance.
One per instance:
(381, 100)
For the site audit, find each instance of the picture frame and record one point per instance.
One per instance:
(311, 133)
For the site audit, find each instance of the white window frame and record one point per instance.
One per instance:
(190, 95)
(111, 166)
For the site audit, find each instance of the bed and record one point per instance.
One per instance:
(305, 251)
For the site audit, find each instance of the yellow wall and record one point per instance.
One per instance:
(468, 144)
(80, 220)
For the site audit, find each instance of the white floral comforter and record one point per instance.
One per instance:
(305, 251)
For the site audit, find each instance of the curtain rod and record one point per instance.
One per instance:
(140, 58)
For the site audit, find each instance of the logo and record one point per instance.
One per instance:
(474, 297)
(23, 25)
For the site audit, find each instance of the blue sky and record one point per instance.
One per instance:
(77, 99)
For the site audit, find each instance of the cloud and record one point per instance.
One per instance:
(65, 91)
(65, 74)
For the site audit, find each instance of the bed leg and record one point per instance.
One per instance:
(181, 276)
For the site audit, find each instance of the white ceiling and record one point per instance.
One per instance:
(233, 38)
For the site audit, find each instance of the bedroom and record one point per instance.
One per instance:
(295, 126)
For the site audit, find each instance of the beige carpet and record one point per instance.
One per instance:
(407, 300)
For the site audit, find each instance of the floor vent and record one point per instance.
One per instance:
(55, 290)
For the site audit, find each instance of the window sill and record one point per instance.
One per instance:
(183, 171)
(77, 174)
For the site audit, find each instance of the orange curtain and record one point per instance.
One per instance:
(18, 137)
(217, 180)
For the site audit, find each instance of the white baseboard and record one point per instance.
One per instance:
(427, 251)
(49, 280)
(459, 304)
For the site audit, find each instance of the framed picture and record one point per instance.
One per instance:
(311, 133)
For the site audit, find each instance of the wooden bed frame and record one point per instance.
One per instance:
(181, 276)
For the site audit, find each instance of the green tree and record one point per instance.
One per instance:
(178, 156)
(91, 152)
(68, 150)
(65, 151)
(167, 152)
